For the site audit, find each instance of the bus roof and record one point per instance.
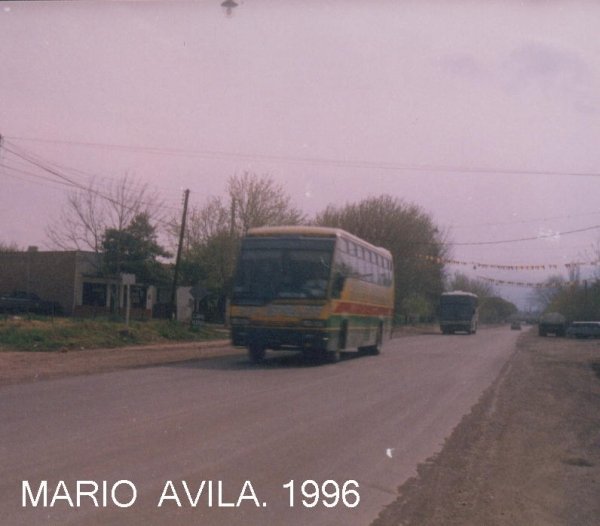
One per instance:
(312, 231)
(459, 293)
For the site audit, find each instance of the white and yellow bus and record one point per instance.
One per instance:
(316, 289)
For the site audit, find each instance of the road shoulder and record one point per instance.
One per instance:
(527, 453)
(22, 367)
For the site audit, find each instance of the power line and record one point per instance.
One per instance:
(75, 184)
(31, 174)
(31, 158)
(533, 238)
(227, 155)
(525, 221)
(50, 167)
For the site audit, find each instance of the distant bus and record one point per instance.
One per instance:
(459, 312)
(316, 289)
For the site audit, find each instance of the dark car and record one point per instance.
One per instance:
(552, 323)
(515, 326)
(20, 302)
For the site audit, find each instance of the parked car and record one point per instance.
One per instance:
(584, 329)
(515, 326)
(20, 302)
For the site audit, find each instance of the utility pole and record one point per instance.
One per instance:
(186, 195)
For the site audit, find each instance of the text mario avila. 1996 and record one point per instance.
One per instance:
(204, 493)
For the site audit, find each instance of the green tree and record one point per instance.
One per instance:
(493, 309)
(215, 229)
(549, 292)
(135, 250)
(416, 308)
(577, 301)
(408, 233)
(462, 282)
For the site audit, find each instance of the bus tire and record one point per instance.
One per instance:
(256, 352)
(376, 349)
(343, 337)
(333, 356)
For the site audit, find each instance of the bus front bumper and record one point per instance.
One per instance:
(280, 337)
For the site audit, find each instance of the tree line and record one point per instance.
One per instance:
(124, 223)
(577, 299)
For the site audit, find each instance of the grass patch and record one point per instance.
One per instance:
(47, 334)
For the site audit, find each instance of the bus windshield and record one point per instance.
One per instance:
(265, 274)
(457, 306)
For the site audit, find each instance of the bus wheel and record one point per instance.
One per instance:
(333, 356)
(379, 342)
(343, 338)
(376, 349)
(256, 352)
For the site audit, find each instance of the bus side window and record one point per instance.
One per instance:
(368, 275)
(353, 261)
(385, 273)
(338, 285)
(380, 275)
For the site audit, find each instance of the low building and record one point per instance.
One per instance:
(73, 279)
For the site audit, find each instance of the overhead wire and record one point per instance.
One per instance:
(42, 165)
(55, 168)
(32, 175)
(32, 158)
(228, 155)
(65, 180)
(525, 221)
(531, 238)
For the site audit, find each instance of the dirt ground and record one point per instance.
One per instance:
(527, 454)
(18, 367)
(31, 366)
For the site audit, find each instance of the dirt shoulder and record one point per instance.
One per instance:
(20, 367)
(32, 366)
(527, 454)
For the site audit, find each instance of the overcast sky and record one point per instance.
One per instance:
(486, 114)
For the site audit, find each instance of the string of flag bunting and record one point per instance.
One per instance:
(477, 265)
(525, 283)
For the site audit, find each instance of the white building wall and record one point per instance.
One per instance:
(185, 304)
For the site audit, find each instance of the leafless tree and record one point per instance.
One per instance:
(9, 247)
(89, 211)
(207, 221)
(258, 201)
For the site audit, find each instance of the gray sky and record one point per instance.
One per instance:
(480, 112)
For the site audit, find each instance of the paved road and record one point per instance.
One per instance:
(369, 419)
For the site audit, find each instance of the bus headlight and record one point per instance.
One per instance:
(239, 321)
(314, 323)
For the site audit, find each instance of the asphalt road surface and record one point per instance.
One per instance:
(155, 434)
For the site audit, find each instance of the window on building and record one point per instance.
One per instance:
(94, 294)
